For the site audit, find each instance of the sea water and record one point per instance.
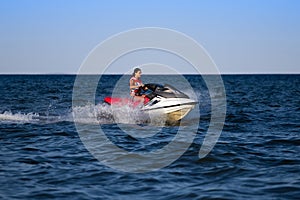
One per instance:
(43, 157)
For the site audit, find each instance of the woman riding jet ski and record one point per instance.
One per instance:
(156, 98)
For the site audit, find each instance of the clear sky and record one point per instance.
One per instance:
(242, 36)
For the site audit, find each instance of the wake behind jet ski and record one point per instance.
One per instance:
(158, 98)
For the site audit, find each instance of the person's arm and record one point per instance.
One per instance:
(131, 84)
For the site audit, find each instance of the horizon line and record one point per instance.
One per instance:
(238, 73)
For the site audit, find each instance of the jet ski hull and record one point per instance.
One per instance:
(174, 108)
(163, 100)
(179, 114)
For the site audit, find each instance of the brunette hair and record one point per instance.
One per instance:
(135, 71)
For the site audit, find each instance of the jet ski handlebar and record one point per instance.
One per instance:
(166, 91)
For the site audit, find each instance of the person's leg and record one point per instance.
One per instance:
(139, 98)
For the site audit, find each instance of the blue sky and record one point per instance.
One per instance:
(245, 36)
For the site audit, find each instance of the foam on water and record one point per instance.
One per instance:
(89, 114)
(8, 116)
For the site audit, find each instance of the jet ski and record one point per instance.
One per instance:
(158, 98)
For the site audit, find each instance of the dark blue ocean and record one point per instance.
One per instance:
(256, 157)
